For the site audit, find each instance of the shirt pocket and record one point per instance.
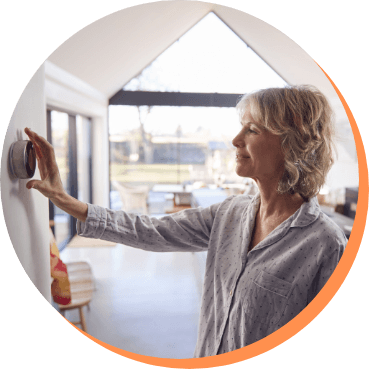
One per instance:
(266, 298)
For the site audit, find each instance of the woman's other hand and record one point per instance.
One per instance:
(50, 184)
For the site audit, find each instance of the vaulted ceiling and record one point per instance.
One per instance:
(113, 50)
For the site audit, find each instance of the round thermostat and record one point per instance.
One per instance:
(22, 159)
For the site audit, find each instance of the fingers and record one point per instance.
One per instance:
(41, 167)
(37, 149)
(42, 142)
(37, 185)
(35, 145)
(47, 164)
(43, 149)
(32, 184)
(39, 156)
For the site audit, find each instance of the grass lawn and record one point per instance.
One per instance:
(155, 173)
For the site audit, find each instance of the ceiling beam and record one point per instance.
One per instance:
(152, 98)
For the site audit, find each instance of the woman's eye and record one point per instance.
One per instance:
(250, 131)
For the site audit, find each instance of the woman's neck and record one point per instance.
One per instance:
(273, 204)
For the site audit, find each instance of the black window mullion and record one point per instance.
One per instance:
(90, 159)
(156, 98)
(49, 138)
(72, 163)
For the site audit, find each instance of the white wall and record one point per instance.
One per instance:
(100, 161)
(26, 212)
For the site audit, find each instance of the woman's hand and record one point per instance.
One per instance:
(50, 184)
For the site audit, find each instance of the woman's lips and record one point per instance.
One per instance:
(241, 157)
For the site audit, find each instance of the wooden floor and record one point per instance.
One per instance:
(145, 302)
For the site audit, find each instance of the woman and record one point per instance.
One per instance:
(268, 255)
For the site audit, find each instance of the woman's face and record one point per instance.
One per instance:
(259, 153)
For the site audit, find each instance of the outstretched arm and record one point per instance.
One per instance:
(50, 184)
(185, 231)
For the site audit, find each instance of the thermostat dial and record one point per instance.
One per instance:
(22, 159)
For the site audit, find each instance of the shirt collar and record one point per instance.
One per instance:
(307, 214)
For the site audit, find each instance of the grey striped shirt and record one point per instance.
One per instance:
(246, 296)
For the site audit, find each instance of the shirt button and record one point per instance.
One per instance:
(230, 294)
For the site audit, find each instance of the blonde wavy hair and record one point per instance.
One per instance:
(303, 118)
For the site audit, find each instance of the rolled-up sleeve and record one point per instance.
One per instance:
(188, 230)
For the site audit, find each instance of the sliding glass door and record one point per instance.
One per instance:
(70, 135)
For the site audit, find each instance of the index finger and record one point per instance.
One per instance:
(42, 142)
(34, 143)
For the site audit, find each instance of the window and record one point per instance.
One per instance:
(210, 57)
(159, 134)
(70, 135)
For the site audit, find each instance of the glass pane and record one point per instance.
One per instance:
(210, 57)
(171, 145)
(60, 132)
(83, 157)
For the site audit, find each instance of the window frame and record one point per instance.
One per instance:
(73, 167)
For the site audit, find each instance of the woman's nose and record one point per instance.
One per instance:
(237, 141)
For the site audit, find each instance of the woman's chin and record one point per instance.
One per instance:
(242, 172)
